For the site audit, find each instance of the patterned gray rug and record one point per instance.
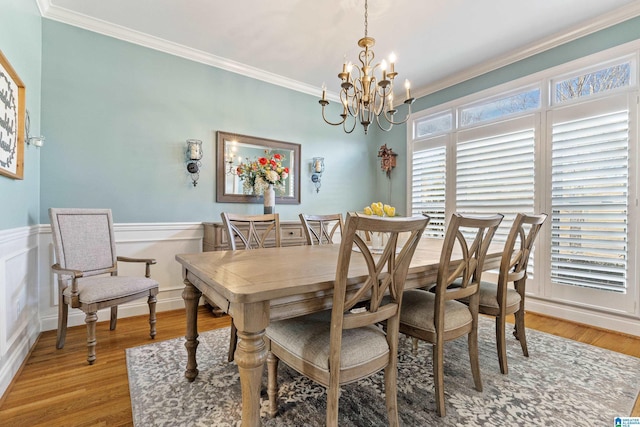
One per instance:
(563, 383)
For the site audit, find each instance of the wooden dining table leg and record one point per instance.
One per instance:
(251, 355)
(191, 296)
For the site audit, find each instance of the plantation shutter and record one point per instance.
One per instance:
(590, 184)
(428, 187)
(495, 171)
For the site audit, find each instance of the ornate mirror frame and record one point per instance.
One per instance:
(251, 148)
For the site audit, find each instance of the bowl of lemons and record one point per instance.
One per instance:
(380, 209)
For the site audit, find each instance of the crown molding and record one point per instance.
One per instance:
(55, 13)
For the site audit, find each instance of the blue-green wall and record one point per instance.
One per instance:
(116, 117)
(20, 42)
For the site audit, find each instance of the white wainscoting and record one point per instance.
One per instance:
(19, 322)
(28, 289)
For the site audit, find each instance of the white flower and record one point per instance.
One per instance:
(272, 176)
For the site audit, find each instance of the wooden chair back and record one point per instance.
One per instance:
(517, 251)
(321, 229)
(472, 236)
(386, 276)
(83, 240)
(252, 231)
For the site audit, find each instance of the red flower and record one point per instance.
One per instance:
(286, 170)
(263, 161)
(277, 156)
(273, 163)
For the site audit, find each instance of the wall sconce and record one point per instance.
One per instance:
(36, 141)
(317, 167)
(194, 155)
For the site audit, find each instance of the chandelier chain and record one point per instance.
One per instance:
(366, 17)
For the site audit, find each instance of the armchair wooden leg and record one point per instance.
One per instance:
(391, 393)
(152, 315)
(473, 357)
(63, 311)
(501, 343)
(333, 396)
(414, 346)
(90, 319)
(520, 331)
(114, 317)
(272, 383)
(438, 377)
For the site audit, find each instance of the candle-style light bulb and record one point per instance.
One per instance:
(407, 86)
(383, 65)
(392, 61)
(324, 91)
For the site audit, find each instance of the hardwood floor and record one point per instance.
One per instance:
(58, 388)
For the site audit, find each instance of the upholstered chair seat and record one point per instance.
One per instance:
(488, 300)
(309, 338)
(418, 310)
(92, 290)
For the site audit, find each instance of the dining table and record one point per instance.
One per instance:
(258, 286)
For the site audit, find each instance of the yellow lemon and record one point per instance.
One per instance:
(368, 211)
(385, 208)
(391, 211)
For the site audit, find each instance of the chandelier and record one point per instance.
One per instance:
(365, 97)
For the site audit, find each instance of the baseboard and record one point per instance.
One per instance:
(603, 320)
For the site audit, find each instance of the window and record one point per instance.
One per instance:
(574, 158)
(589, 198)
(505, 106)
(592, 82)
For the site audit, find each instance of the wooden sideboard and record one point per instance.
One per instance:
(216, 239)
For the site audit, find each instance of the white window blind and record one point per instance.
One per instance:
(590, 167)
(495, 172)
(428, 187)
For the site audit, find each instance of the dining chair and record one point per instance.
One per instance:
(321, 229)
(435, 316)
(498, 299)
(345, 344)
(249, 232)
(85, 251)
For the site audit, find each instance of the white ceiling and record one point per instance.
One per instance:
(301, 43)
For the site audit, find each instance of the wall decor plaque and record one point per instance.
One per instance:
(12, 116)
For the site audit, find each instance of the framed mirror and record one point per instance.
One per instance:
(234, 151)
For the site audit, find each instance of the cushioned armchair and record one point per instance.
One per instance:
(346, 344)
(500, 299)
(87, 270)
(436, 317)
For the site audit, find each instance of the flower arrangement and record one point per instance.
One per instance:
(257, 175)
(379, 209)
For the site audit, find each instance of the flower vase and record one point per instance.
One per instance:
(269, 200)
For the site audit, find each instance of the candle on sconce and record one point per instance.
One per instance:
(324, 92)
(194, 152)
(318, 166)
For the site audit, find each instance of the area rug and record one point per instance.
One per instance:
(562, 383)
